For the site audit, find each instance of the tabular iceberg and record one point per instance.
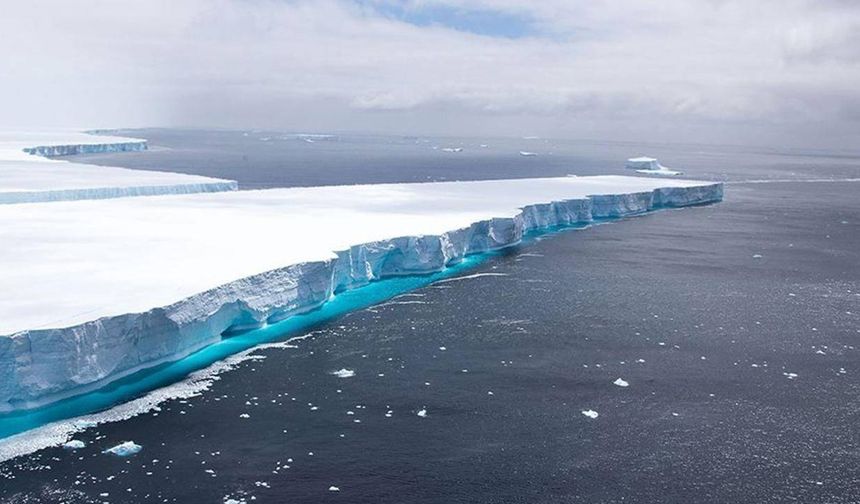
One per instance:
(132, 296)
(650, 166)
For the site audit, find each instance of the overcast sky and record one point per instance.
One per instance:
(771, 72)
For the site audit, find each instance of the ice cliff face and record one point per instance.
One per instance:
(41, 366)
(95, 193)
(89, 148)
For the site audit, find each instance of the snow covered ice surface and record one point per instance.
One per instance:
(27, 176)
(95, 290)
(649, 166)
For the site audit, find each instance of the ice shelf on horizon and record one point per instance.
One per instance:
(28, 172)
(94, 290)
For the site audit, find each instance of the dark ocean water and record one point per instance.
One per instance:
(736, 326)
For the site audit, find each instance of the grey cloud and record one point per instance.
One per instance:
(615, 67)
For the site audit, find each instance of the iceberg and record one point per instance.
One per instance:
(97, 290)
(28, 172)
(650, 166)
(124, 449)
(74, 444)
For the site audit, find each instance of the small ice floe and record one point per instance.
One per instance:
(244, 415)
(452, 149)
(422, 413)
(489, 392)
(621, 383)
(790, 376)
(442, 349)
(527, 153)
(333, 489)
(590, 413)
(757, 256)
(124, 449)
(344, 373)
(649, 166)
(74, 444)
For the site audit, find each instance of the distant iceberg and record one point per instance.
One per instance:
(527, 153)
(650, 166)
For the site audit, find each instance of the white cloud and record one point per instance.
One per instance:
(776, 67)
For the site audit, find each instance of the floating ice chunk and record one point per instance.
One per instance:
(527, 153)
(74, 444)
(790, 376)
(124, 449)
(590, 413)
(422, 412)
(244, 415)
(621, 383)
(452, 149)
(333, 489)
(441, 348)
(757, 256)
(344, 373)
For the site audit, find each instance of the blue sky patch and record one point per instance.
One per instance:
(491, 23)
